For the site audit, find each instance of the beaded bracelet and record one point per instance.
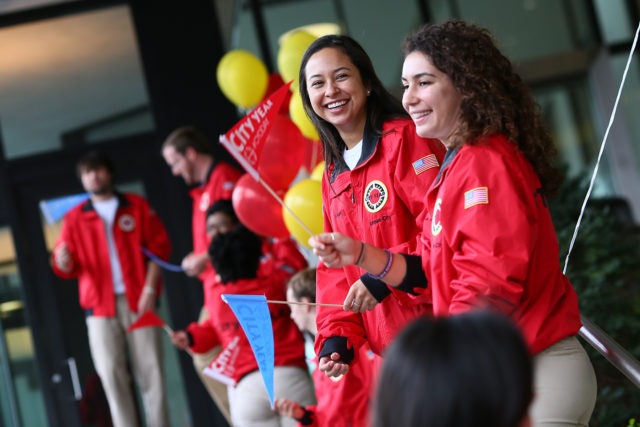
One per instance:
(386, 268)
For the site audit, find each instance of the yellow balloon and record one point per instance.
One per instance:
(290, 55)
(317, 172)
(242, 77)
(300, 118)
(304, 199)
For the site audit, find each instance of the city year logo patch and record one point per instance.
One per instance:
(126, 223)
(375, 196)
(436, 226)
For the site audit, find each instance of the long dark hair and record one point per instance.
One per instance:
(381, 104)
(495, 100)
(468, 370)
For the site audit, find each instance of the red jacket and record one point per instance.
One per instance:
(345, 401)
(490, 241)
(381, 202)
(223, 327)
(136, 225)
(220, 182)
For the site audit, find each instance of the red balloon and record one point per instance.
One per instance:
(257, 209)
(283, 153)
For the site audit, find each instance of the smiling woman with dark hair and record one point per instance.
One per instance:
(377, 171)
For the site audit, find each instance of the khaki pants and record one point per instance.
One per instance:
(108, 341)
(216, 389)
(565, 386)
(249, 401)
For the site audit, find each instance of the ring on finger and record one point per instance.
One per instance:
(354, 303)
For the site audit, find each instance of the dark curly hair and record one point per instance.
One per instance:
(495, 100)
(381, 104)
(236, 255)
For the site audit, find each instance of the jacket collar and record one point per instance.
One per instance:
(448, 158)
(122, 202)
(214, 163)
(370, 142)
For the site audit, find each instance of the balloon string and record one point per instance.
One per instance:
(602, 145)
(304, 303)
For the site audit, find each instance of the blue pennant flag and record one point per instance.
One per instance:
(252, 312)
(54, 209)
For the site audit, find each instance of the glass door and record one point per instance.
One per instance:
(21, 401)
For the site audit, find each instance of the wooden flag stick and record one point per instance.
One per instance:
(279, 199)
(233, 150)
(304, 303)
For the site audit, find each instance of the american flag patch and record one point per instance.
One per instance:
(476, 196)
(425, 163)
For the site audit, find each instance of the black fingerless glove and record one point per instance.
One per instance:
(377, 288)
(337, 345)
(415, 281)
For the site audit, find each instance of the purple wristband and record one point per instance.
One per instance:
(386, 268)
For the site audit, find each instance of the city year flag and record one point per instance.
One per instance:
(246, 138)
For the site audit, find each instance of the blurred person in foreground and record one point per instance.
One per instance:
(468, 370)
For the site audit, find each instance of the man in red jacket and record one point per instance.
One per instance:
(188, 153)
(101, 244)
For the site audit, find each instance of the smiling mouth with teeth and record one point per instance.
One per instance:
(336, 104)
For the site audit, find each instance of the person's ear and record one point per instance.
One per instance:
(190, 153)
(307, 304)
